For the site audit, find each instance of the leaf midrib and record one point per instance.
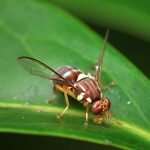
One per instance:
(130, 128)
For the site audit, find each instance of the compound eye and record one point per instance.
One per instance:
(97, 108)
(106, 104)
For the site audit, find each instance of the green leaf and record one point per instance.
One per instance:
(47, 33)
(131, 17)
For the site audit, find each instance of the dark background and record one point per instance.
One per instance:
(37, 142)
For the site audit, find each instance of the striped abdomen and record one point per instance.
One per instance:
(69, 73)
(91, 89)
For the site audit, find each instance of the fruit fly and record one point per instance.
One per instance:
(71, 81)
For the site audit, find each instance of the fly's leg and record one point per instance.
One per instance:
(86, 104)
(66, 91)
(106, 87)
(55, 95)
(86, 115)
(108, 114)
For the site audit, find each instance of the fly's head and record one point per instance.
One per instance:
(101, 108)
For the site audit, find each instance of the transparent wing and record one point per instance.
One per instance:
(37, 68)
(98, 67)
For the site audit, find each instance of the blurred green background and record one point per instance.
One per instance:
(129, 21)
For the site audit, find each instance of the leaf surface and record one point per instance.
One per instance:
(49, 34)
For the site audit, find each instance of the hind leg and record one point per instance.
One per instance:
(107, 86)
(55, 95)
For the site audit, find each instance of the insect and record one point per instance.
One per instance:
(71, 81)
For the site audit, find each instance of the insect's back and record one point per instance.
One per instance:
(90, 88)
(69, 73)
